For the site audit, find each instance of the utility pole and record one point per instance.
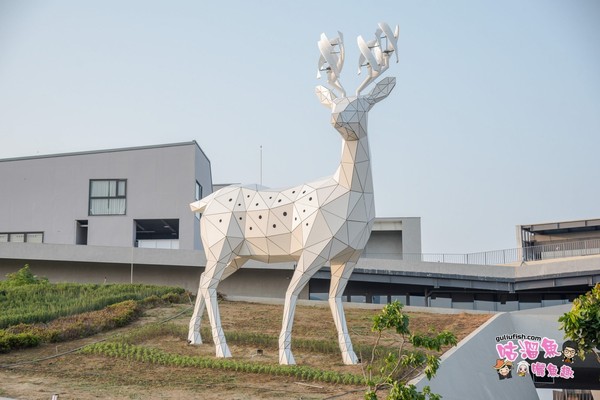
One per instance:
(261, 165)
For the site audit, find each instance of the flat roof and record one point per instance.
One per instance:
(80, 153)
(582, 225)
(392, 223)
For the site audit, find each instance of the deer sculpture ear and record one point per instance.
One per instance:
(382, 89)
(325, 96)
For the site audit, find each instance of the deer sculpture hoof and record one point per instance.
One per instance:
(194, 338)
(286, 357)
(223, 351)
(350, 358)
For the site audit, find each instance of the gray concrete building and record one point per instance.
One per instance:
(548, 240)
(133, 197)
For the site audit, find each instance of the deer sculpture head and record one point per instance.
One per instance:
(349, 114)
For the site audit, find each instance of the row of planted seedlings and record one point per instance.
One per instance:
(160, 357)
(127, 346)
(250, 339)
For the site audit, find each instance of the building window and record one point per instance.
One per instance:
(37, 237)
(17, 237)
(22, 237)
(157, 233)
(198, 195)
(108, 197)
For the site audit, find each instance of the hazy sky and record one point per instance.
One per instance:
(494, 121)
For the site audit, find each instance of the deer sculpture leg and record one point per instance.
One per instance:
(307, 265)
(340, 272)
(194, 336)
(208, 288)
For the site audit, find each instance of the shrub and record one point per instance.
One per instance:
(582, 323)
(23, 277)
(174, 298)
(398, 367)
(151, 301)
(9, 341)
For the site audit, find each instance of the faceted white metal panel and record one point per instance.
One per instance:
(325, 221)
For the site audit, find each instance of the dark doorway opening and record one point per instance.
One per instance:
(81, 232)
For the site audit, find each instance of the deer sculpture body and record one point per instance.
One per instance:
(328, 220)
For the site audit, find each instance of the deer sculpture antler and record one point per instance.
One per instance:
(332, 60)
(374, 55)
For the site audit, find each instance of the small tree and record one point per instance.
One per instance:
(582, 323)
(24, 276)
(398, 367)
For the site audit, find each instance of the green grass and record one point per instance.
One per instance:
(43, 303)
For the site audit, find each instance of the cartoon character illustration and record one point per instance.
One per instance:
(569, 349)
(522, 368)
(503, 368)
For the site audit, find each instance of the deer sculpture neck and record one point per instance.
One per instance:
(354, 171)
(349, 116)
(355, 164)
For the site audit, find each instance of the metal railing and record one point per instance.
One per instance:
(508, 256)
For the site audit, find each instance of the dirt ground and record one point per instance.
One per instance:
(85, 377)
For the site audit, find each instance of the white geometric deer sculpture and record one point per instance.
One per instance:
(328, 220)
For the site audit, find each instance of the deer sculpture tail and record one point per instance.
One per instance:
(200, 205)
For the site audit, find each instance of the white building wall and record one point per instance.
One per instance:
(411, 235)
(392, 238)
